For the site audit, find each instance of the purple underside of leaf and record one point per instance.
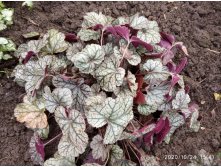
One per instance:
(121, 31)
(167, 56)
(148, 138)
(159, 126)
(97, 27)
(136, 42)
(29, 55)
(161, 135)
(70, 37)
(181, 66)
(40, 148)
(140, 98)
(167, 40)
(187, 89)
(193, 107)
(171, 66)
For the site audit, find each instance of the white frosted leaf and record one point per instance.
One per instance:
(194, 123)
(89, 58)
(87, 35)
(156, 93)
(73, 143)
(73, 49)
(129, 54)
(129, 86)
(155, 70)
(138, 22)
(31, 115)
(116, 154)
(43, 132)
(69, 120)
(19, 74)
(108, 49)
(124, 162)
(146, 109)
(148, 160)
(176, 120)
(121, 21)
(165, 107)
(36, 45)
(80, 91)
(109, 75)
(99, 150)
(117, 113)
(91, 164)
(56, 42)
(59, 97)
(150, 34)
(181, 101)
(92, 19)
(60, 161)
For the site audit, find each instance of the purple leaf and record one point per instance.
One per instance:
(182, 64)
(180, 46)
(70, 37)
(159, 125)
(171, 66)
(160, 136)
(40, 148)
(89, 159)
(29, 55)
(136, 42)
(140, 98)
(167, 56)
(121, 31)
(97, 27)
(167, 40)
(187, 89)
(148, 138)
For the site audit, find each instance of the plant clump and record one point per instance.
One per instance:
(114, 90)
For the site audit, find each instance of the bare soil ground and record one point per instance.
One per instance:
(197, 24)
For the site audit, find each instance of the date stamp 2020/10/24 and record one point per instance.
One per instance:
(187, 157)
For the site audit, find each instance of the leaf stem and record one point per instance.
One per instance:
(102, 36)
(108, 155)
(124, 53)
(126, 150)
(52, 139)
(135, 148)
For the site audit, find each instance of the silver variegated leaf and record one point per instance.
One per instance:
(138, 22)
(181, 101)
(176, 120)
(59, 97)
(73, 50)
(99, 150)
(92, 19)
(116, 154)
(109, 75)
(146, 109)
(56, 42)
(150, 34)
(148, 160)
(80, 91)
(117, 113)
(89, 58)
(155, 70)
(87, 35)
(156, 92)
(194, 123)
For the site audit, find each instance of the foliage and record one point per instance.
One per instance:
(113, 87)
(6, 45)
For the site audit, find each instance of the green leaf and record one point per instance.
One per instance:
(31, 34)
(89, 58)
(117, 113)
(109, 75)
(56, 42)
(87, 35)
(80, 91)
(59, 97)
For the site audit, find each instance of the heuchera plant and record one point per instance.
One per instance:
(113, 89)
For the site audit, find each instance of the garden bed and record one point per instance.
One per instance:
(197, 24)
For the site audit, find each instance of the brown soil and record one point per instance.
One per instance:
(197, 24)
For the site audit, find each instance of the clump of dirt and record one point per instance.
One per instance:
(197, 24)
